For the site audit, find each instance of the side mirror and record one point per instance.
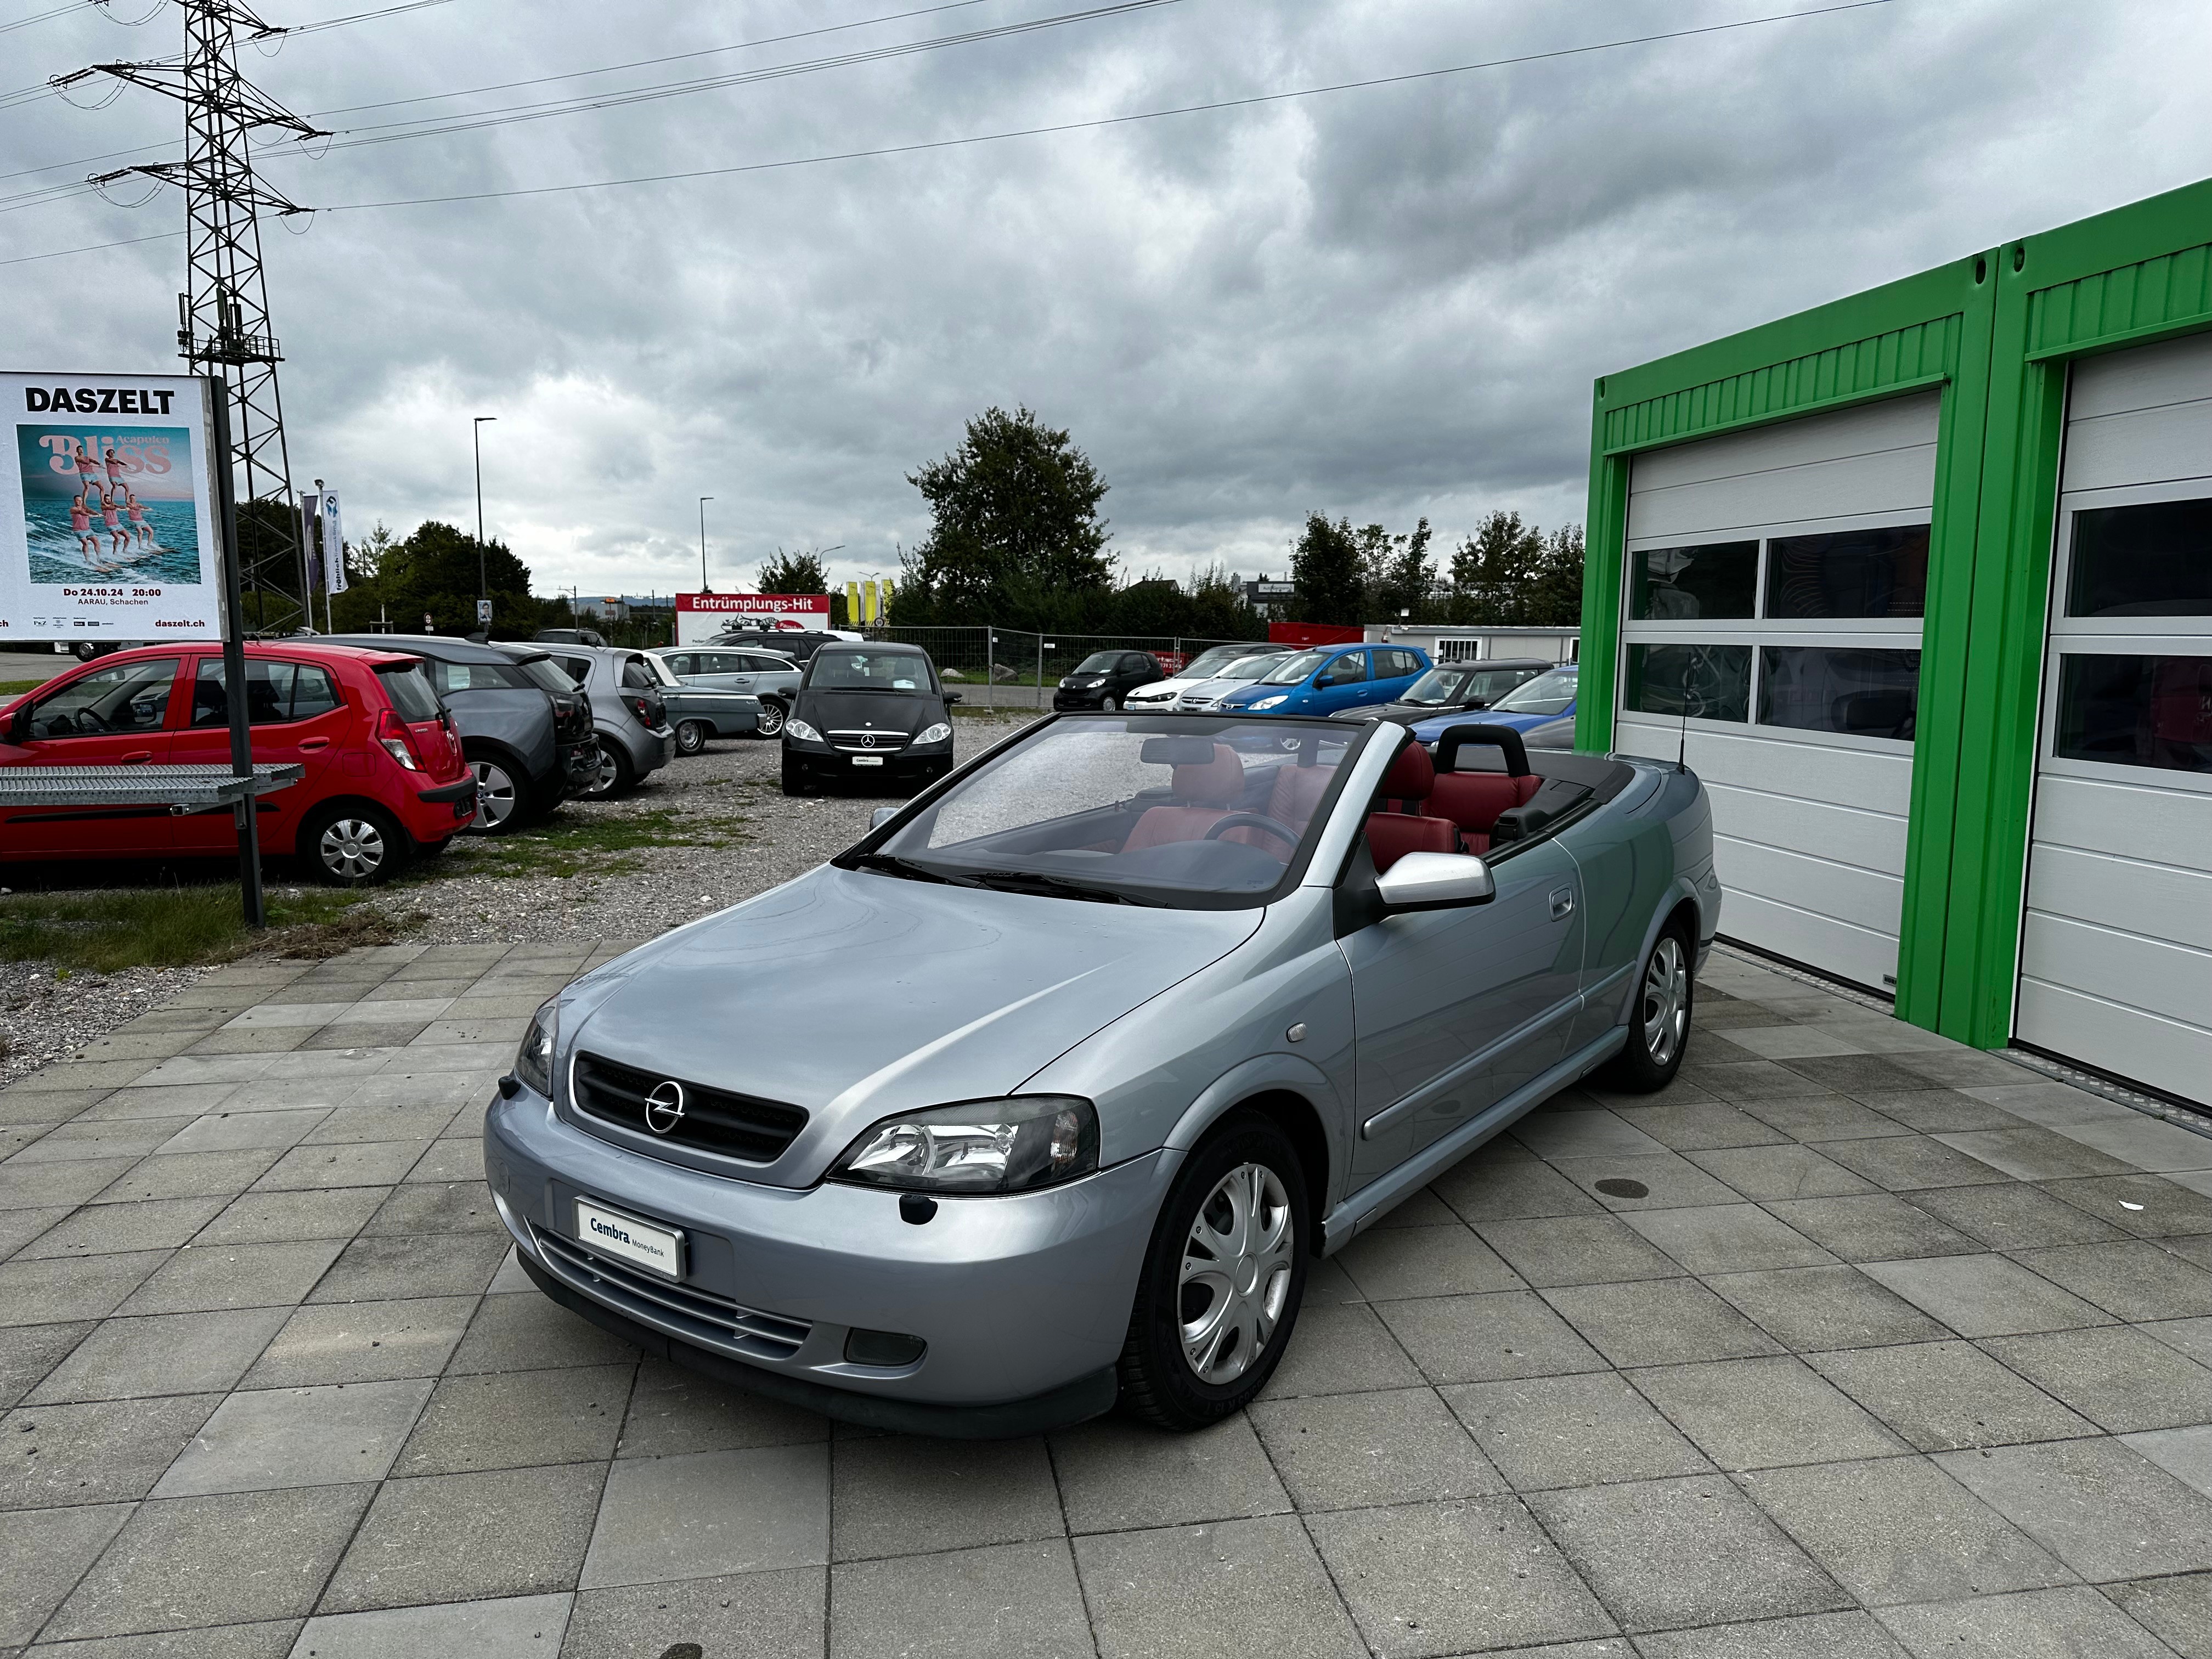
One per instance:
(1436, 881)
(952, 697)
(881, 815)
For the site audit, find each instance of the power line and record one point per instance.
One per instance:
(97, 247)
(1097, 122)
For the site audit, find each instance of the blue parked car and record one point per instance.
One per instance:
(1330, 677)
(1550, 696)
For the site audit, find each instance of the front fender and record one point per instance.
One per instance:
(1275, 1074)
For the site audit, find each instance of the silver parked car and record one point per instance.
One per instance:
(1085, 1055)
(1225, 677)
(768, 676)
(628, 712)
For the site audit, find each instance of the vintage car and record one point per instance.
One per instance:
(1087, 1052)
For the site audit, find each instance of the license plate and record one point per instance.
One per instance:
(867, 760)
(656, 1250)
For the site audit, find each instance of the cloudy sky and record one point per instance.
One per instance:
(1384, 303)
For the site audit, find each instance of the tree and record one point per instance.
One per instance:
(1326, 565)
(1491, 569)
(433, 572)
(1401, 578)
(364, 559)
(1014, 514)
(1554, 588)
(794, 573)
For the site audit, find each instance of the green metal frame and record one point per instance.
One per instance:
(1994, 332)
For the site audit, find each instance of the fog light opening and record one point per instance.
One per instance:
(887, 1348)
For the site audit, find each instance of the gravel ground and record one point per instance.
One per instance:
(779, 837)
(43, 1018)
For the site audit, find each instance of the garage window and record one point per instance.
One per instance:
(1861, 693)
(1715, 579)
(1705, 682)
(1848, 574)
(2135, 711)
(2150, 559)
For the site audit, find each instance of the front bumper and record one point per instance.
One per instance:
(1023, 1301)
(1065, 701)
(911, 767)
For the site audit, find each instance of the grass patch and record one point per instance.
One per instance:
(11, 688)
(184, 926)
(596, 845)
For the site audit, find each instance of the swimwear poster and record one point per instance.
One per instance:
(114, 539)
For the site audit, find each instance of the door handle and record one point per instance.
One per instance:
(137, 757)
(1563, 902)
(310, 746)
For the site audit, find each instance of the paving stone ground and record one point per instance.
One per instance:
(1853, 1343)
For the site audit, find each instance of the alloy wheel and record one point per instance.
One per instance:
(771, 719)
(352, 848)
(496, 796)
(1665, 1010)
(1237, 1271)
(609, 771)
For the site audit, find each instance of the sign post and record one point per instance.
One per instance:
(248, 809)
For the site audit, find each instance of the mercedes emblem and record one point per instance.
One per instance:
(664, 1107)
(868, 741)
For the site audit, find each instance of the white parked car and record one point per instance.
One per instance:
(1160, 695)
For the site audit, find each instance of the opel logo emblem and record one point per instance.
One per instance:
(869, 741)
(664, 1107)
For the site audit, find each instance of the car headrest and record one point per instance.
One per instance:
(1411, 776)
(1504, 736)
(1219, 783)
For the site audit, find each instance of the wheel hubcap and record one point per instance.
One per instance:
(352, 848)
(1666, 1010)
(608, 773)
(495, 795)
(1237, 1273)
(771, 720)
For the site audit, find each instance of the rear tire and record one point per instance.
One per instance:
(617, 776)
(503, 797)
(353, 845)
(1223, 1280)
(690, 736)
(772, 717)
(1659, 1020)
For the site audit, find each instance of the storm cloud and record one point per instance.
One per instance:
(1384, 303)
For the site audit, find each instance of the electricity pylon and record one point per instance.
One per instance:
(223, 318)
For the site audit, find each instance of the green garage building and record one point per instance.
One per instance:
(1921, 580)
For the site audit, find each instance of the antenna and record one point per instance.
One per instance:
(1682, 738)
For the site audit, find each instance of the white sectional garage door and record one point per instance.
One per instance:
(2116, 948)
(1776, 584)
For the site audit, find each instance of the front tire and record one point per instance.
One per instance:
(690, 736)
(351, 845)
(1222, 1281)
(794, 783)
(1659, 1021)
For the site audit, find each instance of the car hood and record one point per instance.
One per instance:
(856, 711)
(857, 995)
(1428, 730)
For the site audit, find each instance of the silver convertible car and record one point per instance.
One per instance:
(1084, 1054)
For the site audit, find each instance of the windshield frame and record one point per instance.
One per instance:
(1504, 705)
(1164, 898)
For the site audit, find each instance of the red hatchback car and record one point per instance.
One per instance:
(384, 776)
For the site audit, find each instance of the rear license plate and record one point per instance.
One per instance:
(867, 760)
(656, 1250)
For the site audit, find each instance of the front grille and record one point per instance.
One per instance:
(872, 742)
(714, 1120)
(699, 1315)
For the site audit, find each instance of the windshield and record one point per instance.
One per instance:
(1547, 693)
(541, 672)
(1298, 668)
(1247, 668)
(1099, 662)
(1210, 662)
(1194, 814)
(1442, 686)
(868, 671)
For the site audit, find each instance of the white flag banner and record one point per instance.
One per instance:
(334, 565)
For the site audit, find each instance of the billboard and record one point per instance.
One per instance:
(700, 616)
(108, 527)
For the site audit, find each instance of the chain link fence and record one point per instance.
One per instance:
(1016, 668)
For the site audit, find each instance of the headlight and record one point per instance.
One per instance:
(1272, 703)
(802, 730)
(940, 733)
(533, 1061)
(1010, 1146)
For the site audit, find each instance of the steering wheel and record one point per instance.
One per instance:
(1255, 821)
(85, 720)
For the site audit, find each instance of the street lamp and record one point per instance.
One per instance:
(476, 436)
(703, 500)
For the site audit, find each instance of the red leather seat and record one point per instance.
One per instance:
(1472, 801)
(1405, 826)
(1203, 794)
(1391, 836)
(1291, 802)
